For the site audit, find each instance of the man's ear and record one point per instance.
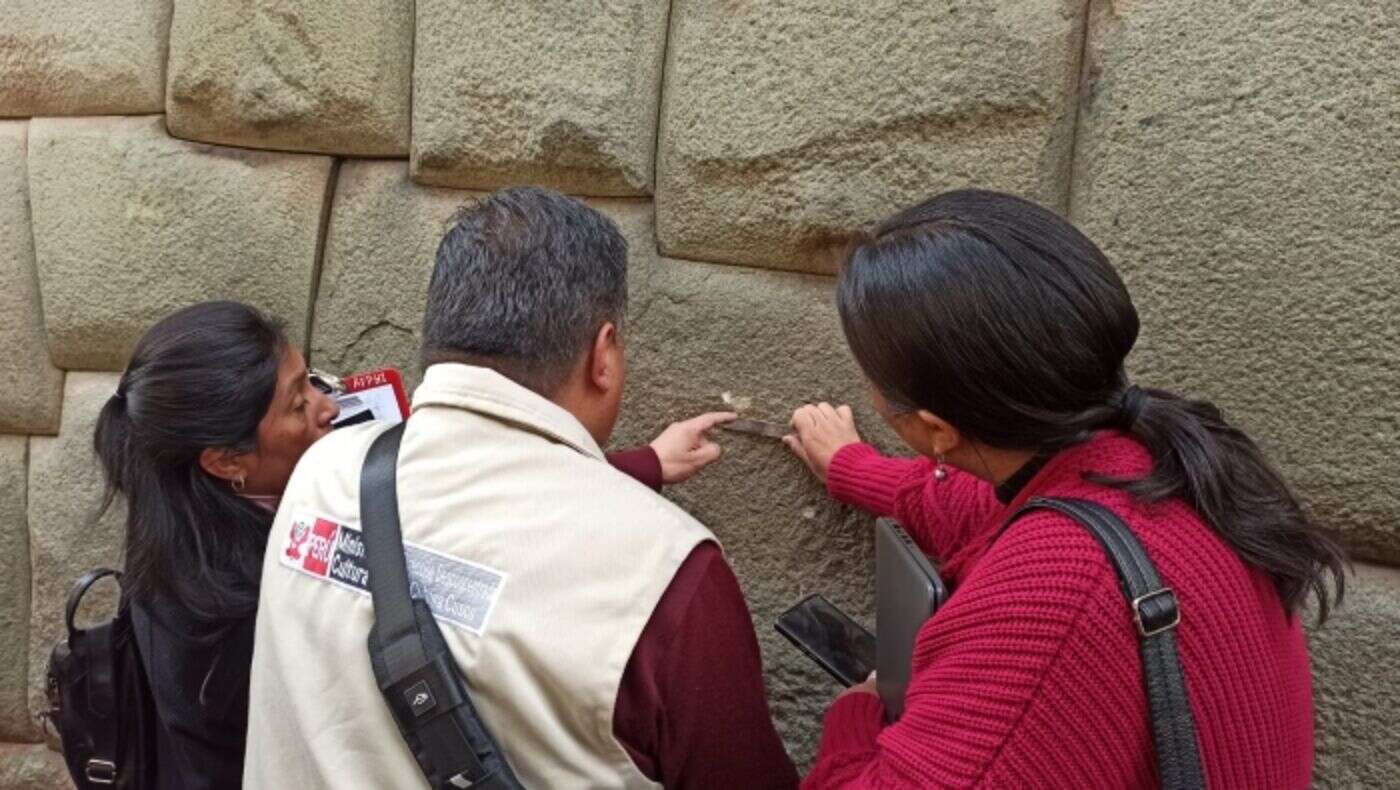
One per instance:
(224, 463)
(940, 434)
(605, 358)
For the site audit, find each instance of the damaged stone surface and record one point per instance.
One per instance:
(772, 341)
(559, 94)
(31, 388)
(130, 224)
(15, 724)
(89, 58)
(327, 76)
(383, 234)
(36, 767)
(788, 124)
(66, 539)
(1356, 684)
(1252, 212)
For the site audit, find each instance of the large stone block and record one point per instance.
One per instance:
(95, 58)
(556, 93)
(699, 335)
(31, 388)
(66, 538)
(1356, 684)
(15, 724)
(788, 123)
(380, 243)
(298, 75)
(130, 224)
(1252, 212)
(32, 768)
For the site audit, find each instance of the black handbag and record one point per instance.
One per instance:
(1155, 616)
(99, 700)
(421, 682)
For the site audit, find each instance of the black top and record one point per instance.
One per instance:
(198, 674)
(1012, 486)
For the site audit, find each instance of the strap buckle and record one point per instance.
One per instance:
(101, 772)
(1150, 626)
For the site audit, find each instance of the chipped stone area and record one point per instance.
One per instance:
(383, 234)
(1252, 213)
(326, 76)
(82, 58)
(130, 225)
(559, 94)
(788, 124)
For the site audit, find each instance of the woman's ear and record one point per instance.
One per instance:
(939, 434)
(224, 464)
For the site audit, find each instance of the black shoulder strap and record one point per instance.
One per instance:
(1156, 615)
(388, 572)
(421, 683)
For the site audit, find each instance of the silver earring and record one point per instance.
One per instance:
(238, 484)
(940, 472)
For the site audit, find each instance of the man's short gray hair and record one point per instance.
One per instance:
(523, 280)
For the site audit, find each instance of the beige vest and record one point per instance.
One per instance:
(542, 564)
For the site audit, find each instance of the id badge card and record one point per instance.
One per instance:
(375, 395)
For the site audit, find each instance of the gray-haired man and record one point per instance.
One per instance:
(605, 637)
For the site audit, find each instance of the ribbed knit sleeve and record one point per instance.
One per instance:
(1020, 661)
(942, 515)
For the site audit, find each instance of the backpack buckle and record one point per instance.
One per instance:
(1166, 617)
(101, 772)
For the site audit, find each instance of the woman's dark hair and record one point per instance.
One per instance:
(202, 377)
(1003, 319)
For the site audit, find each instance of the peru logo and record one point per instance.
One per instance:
(319, 546)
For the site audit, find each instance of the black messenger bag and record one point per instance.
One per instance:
(99, 700)
(1155, 615)
(420, 681)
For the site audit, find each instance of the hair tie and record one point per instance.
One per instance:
(1130, 406)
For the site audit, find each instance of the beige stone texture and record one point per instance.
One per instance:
(330, 76)
(31, 388)
(1356, 684)
(1240, 164)
(554, 93)
(15, 724)
(32, 768)
(82, 58)
(787, 124)
(383, 234)
(130, 224)
(66, 539)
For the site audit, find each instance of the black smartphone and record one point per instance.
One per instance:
(836, 642)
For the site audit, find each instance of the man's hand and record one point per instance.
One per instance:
(684, 449)
(819, 431)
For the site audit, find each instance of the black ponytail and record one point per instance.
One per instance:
(1006, 321)
(202, 377)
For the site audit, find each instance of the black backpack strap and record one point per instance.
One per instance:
(417, 675)
(1156, 614)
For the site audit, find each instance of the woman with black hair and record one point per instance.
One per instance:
(208, 421)
(993, 335)
(201, 436)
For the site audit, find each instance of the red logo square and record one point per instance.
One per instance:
(318, 547)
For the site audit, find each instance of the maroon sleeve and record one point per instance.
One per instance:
(691, 710)
(640, 464)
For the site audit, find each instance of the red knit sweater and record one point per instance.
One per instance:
(1029, 675)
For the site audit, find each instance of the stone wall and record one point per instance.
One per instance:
(1240, 163)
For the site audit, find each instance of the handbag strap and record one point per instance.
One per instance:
(1156, 614)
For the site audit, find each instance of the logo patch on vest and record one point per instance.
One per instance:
(459, 592)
